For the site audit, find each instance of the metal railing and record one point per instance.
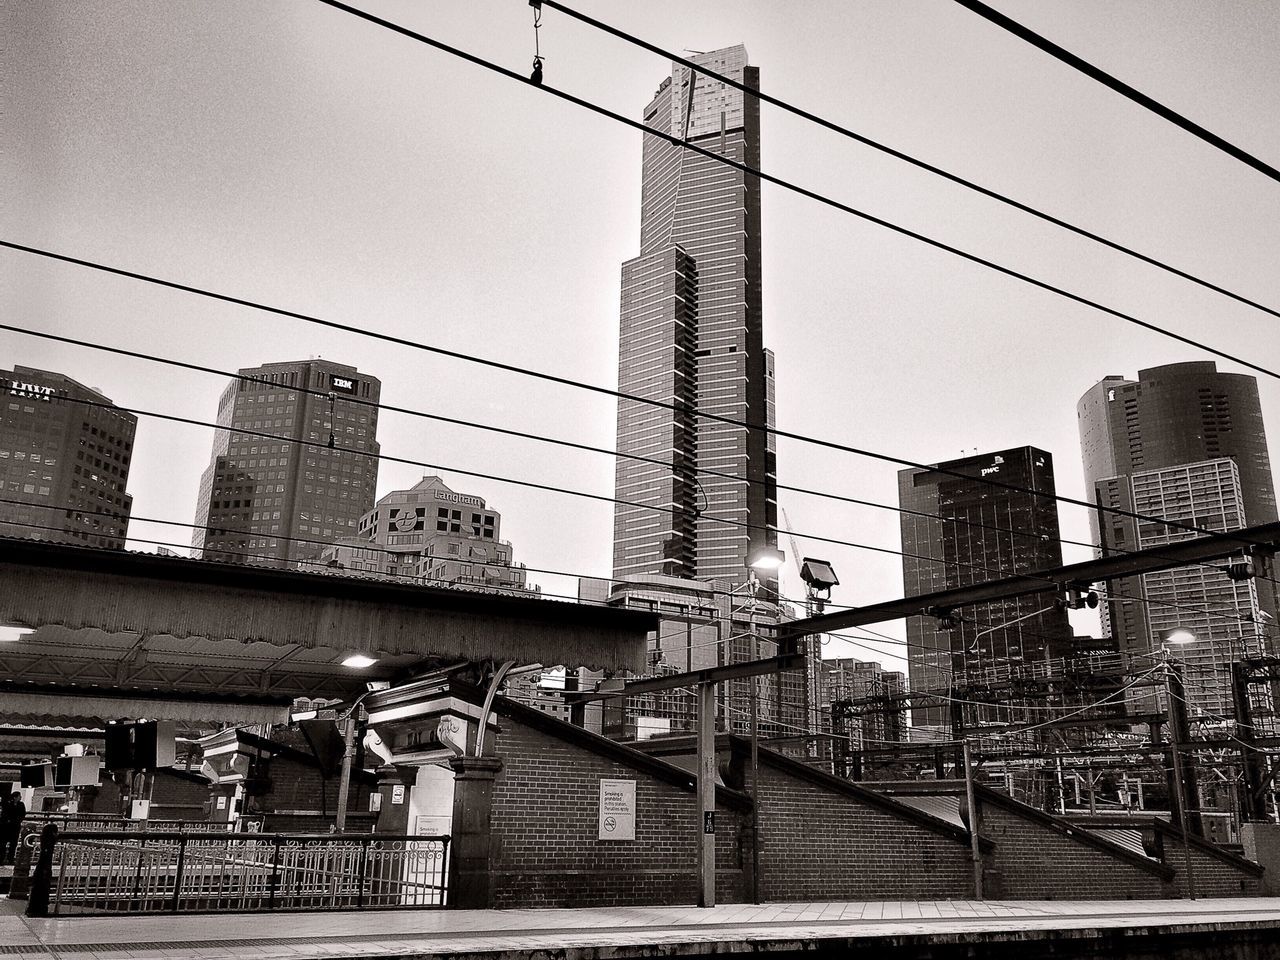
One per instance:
(106, 872)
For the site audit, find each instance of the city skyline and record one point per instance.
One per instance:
(886, 346)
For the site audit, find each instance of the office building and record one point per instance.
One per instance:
(65, 451)
(962, 524)
(1181, 442)
(294, 464)
(434, 535)
(692, 337)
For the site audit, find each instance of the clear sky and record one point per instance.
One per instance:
(288, 153)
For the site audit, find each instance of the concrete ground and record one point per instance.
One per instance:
(622, 932)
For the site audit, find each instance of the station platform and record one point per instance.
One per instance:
(1084, 929)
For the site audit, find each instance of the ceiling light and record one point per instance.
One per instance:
(359, 661)
(10, 633)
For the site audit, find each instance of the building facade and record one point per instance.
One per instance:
(435, 535)
(962, 525)
(867, 702)
(294, 464)
(1160, 446)
(65, 452)
(704, 495)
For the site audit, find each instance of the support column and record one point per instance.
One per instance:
(393, 781)
(470, 878)
(707, 795)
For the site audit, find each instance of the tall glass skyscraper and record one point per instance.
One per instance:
(1183, 442)
(958, 529)
(691, 337)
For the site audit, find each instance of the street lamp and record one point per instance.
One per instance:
(1176, 694)
(766, 559)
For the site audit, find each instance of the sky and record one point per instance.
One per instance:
(291, 154)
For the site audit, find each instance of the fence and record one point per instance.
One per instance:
(28, 852)
(106, 872)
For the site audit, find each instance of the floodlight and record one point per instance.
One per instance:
(818, 574)
(766, 559)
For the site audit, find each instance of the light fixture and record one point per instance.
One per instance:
(377, 686)
(818, 574)
(359, 661)
(766, 559)
(12, 633)
(1179, 637)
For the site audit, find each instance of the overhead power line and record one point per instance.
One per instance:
(606, 391)
(899, 155)
(531, 484)
(1119, 86)
(381, 406)
(793, 187)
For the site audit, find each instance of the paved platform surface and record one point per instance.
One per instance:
(612, 933)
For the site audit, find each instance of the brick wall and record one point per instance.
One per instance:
(1032, 861)
(546, 849)
(1214, 876)
(298, 786)
(821, 843)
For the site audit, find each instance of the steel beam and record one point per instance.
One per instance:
(1114, 567)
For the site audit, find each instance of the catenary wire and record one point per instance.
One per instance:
(595, 388)
(378, 405)
(550, 488)
(899, 155)
(1119, 86)
(788, 185)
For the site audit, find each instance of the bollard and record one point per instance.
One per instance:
(42, 880)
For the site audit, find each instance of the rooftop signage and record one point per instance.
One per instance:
(28, 391)
(459, 498)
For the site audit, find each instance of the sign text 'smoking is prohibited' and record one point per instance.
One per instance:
(617, 809)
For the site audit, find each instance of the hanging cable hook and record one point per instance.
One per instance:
(536, 76)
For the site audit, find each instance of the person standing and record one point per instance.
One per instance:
(12, 812)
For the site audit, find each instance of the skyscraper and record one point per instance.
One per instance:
(262, 499)
(1182, 442)
(691, 337)
(64, 460)
(962, 530)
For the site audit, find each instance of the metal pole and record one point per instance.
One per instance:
(755, 777)
(974, 847)
(344, 783)
(707, 795)
(1180, 796)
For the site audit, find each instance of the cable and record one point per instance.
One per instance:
(705, 471)
(243, 431)
(795, 188)
(899, 155)
(1122, 88)
(934, 468)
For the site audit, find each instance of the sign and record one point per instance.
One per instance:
(459, 498)
(28, 391)
(375, 802)
(342, 384)
(617, 809)
(397, 793)
(708, 821)
(406, 522)
(222, 803)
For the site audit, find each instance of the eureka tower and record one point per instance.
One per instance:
(705, 494)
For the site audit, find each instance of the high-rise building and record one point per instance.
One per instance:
(434, 535)
(959, 529)
(1184, 443)
(874, 712)
(64, 460)
(291, 470)
(691, 338)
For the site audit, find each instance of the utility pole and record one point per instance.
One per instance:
(1177, 725)
(707, 794)
(971, 798)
